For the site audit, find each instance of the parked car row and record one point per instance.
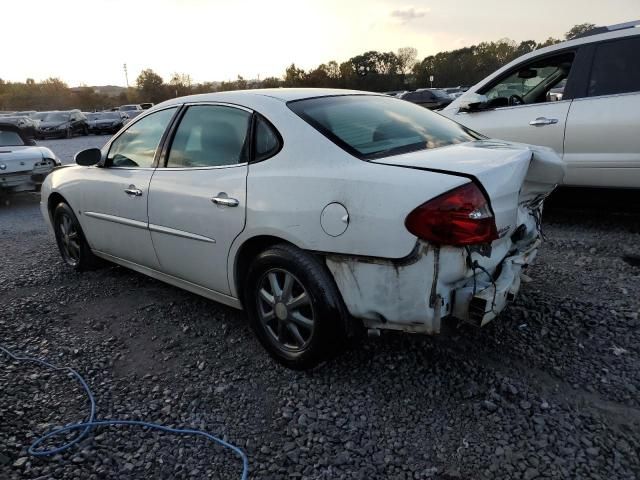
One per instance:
(67, 123)
(106, 122)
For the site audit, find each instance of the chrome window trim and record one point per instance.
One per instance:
(180, 169)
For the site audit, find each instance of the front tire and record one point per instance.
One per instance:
(294, 307)
(71, 242)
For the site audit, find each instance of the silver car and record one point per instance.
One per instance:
(23, 164)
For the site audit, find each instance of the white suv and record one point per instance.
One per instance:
(580, 97)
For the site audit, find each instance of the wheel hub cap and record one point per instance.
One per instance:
(285, 310)
(281, 311)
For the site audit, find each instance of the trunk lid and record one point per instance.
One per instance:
(19, 159)
(516, 177)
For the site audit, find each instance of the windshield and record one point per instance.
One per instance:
(129, 107)
(94, 116)
(370, 126)
(9, 138)
(55, 117)
(440, 94)
(111, 116)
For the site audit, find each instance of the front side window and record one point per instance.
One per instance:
(137, 145)
(369, 126)
(616, 68)
(530, 83)
(210, 136)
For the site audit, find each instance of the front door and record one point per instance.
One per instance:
(115, 198)
(197, 202)
(536, 124)
(520, 106)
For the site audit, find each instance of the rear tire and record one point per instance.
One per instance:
(294, 307)
(72, 244)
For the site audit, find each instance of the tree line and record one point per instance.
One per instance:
(372, 70)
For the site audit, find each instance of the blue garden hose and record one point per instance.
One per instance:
(91, 422)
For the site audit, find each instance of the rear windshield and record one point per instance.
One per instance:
(369, 126)
(10, 139)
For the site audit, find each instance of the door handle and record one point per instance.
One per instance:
(223, 200)
(542, 121)
(132, 191)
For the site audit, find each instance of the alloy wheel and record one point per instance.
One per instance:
(69, 239)
(285, 310)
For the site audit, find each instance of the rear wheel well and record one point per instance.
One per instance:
(256, 245)
(248, 251)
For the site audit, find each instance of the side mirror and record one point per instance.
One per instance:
(472, 101)
(89, 157)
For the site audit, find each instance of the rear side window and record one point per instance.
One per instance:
(616, 68)
(369, 126)
(210, 136)
(267, 140)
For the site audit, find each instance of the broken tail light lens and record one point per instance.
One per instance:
(459, 217)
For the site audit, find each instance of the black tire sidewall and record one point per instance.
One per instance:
(329, 334)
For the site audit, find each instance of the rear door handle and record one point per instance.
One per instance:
(542, 121)
(132, 191)
(223, 200)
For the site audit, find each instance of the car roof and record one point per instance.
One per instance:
(599, 37)
(282, 94)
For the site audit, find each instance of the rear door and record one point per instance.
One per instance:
(520, 108)
(602, 145)
(197, 202)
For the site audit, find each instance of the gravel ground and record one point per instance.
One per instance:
(550, 390)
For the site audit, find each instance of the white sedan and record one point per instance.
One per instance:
(23, 164)
(320, 212)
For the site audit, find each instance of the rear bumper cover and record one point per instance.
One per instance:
(480, 301)
(416, 293)
(25, 180)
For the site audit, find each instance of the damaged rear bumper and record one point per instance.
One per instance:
(484, 297)
(26, 180)
(417, 293)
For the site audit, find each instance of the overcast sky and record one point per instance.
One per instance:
(88, 41)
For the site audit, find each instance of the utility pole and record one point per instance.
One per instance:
(126, 74)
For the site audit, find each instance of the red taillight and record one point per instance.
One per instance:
(459, 217)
